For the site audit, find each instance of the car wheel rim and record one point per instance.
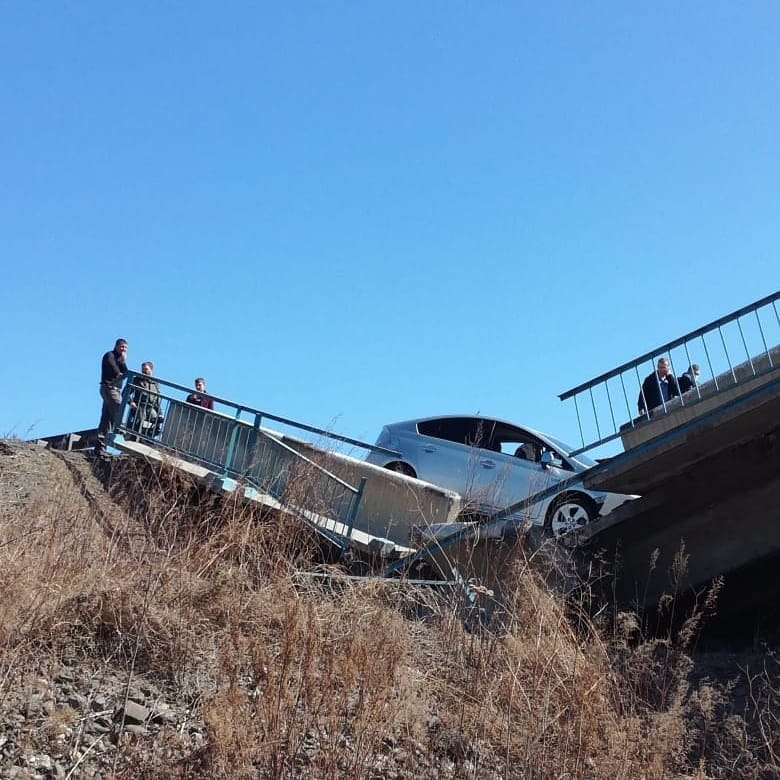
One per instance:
(568, 517)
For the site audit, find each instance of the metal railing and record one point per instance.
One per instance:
(510, 518)
(729, 351)
(240, 449)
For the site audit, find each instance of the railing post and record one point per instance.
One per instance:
(690, 363)
(763, 337)
(254, 438)
(354, 504)
(231, 448)
(625, 398)
(120, 413)
(595, 413)
(744, 344)
(646, 413)
(579, 421)
(728, 357)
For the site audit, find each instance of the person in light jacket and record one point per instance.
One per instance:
(145, 417)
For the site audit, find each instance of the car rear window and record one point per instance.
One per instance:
(462, 430)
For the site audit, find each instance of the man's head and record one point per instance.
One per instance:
(200, 384)
(663, 367)
(528, 451)
(147, 368)
(694, 370)
(120, 347)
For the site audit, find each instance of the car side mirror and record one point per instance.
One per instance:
(551, 459)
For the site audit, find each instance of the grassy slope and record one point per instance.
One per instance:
(157, 585)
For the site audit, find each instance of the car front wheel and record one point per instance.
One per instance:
(568, 513)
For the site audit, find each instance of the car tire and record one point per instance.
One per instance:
(568, 513)
(401, 468)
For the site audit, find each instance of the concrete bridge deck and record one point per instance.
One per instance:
(711, 484)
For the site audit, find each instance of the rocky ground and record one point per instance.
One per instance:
(67, 714)
(75, 719)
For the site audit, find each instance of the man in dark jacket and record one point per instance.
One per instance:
(689, 379)
(112, 371)
(658, 388)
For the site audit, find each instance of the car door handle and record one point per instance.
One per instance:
(429, 448)
(489, 464)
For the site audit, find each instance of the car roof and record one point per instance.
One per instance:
(414, 422)
(552, 441)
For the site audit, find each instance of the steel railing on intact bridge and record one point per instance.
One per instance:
(732, 350)
(235, 445)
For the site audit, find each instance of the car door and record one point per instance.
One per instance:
(519, 471)
(452, 454)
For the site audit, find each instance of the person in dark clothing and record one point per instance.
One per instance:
(199, 397)
(113, 369)
(689, 379)
(145, 417)
(658, 388)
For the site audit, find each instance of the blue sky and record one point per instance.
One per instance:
(357, 213)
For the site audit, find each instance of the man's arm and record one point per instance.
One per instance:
(643, 397)
(115, 368)
(674, 387)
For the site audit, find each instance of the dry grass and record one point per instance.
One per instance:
(291, 677)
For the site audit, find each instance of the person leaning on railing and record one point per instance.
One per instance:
(658, 387)
(689, 379)
(199, 397)
(145, 416)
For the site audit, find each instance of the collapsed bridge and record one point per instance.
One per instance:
(705, 464)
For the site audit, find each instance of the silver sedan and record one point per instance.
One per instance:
(494, 464)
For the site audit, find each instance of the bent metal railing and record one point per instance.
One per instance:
(241, 449)
(511, 518)
(732, 350)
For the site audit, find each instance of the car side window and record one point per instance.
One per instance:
(461, 430)
(521, 444)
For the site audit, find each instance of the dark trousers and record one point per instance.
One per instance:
(112, 400)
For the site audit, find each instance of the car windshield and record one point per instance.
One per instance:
(567, 448)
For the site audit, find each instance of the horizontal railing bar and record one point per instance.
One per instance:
(322, 432)
(299, 456)
(338, 576)
(598, 443)
(250, 426)
(769, 299)
(276, 418)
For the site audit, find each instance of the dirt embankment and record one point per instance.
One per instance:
(149, 629)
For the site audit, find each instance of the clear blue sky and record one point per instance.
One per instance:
(357, 213)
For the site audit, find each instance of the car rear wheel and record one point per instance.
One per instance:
(401, 468)
(568, 513)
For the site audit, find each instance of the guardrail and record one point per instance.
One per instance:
(240, 449)
(732, 350)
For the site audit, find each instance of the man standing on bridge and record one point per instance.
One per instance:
(199, 397)
(112, 372)
(658, 388)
